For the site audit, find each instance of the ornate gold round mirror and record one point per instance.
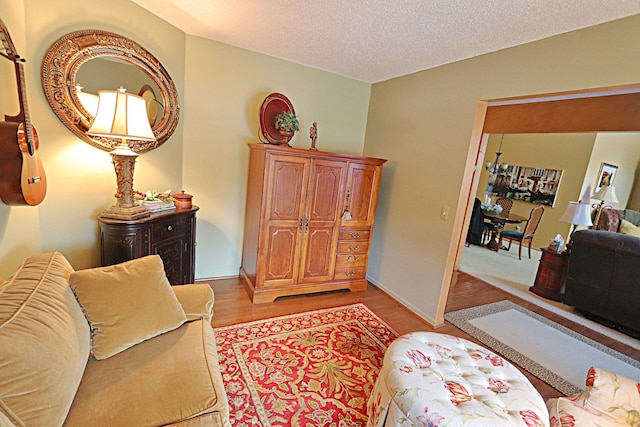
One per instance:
(78, 64)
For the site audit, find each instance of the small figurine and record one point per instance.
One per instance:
(313, 134)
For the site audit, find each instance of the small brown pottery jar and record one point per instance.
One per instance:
(183, 200)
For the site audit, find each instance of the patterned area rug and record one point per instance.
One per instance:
(309, 369)
(557, 355)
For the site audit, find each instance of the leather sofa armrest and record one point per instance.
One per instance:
(196, 300)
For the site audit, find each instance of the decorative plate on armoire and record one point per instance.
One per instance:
(273, 105)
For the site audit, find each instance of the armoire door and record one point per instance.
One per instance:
(362, 194)
(281, 237)
(322, 220)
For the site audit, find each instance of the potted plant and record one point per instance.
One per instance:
(287, 123)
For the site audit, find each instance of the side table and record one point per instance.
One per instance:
(170, 234)
(552, 273)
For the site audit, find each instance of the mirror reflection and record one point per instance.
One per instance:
(112, 73)
(81, 63)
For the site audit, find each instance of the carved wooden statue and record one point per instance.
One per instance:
(313, 134)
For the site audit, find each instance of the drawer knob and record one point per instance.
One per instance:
(354, 248)
(354, 235)
(352, 257)
(353, 273)
(169, 228)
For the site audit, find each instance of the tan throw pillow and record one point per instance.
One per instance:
(628, 228)
(126, 304)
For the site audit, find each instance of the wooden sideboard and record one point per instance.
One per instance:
(170, 234)
(309, 221)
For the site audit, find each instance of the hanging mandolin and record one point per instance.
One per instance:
(22, 178)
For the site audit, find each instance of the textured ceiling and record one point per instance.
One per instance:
(375, 40)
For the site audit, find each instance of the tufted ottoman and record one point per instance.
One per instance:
(431, 379)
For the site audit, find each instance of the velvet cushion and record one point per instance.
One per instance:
(126, 304)
(628, 228)
(162, 381)
(44, 343)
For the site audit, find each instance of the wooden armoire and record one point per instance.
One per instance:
(309, 221)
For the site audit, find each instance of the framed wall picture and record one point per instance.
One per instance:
(606, 175)
(527, 184)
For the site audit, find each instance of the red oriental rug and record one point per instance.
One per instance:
(309, 369)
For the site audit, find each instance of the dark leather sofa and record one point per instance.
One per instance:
(603, 278)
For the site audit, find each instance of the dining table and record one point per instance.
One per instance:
(499, 221)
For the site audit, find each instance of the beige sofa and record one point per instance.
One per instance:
(114, 346)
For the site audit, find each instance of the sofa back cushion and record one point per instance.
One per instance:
(609, 220)
(632, 216)
(44, 342)
(627, 227)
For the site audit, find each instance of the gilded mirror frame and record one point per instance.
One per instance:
(60, 66)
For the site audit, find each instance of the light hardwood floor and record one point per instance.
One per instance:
(232, 305)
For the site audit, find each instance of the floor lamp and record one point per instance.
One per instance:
(122, 115)
(606, 193)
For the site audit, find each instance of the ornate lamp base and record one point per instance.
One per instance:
(124, 161)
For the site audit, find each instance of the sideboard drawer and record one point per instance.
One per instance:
(170, 227)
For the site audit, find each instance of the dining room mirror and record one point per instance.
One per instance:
(80, 63)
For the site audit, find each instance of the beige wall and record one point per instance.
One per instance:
(568, 152)
(423, 122)
(220, 90)
(224, 89)
(622, 150)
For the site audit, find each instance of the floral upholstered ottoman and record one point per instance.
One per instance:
(431, 379)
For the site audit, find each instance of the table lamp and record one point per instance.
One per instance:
(606, 193)
(577, 213)
(122, 115)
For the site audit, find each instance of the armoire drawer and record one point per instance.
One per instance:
(353, 247)
(351, 260)
(346, 234)
(348, 272)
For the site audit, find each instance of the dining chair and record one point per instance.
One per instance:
(525, 236)
(506, 204)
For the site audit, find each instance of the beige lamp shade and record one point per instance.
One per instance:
(121, 115)
(606, 194)
(577, 214)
